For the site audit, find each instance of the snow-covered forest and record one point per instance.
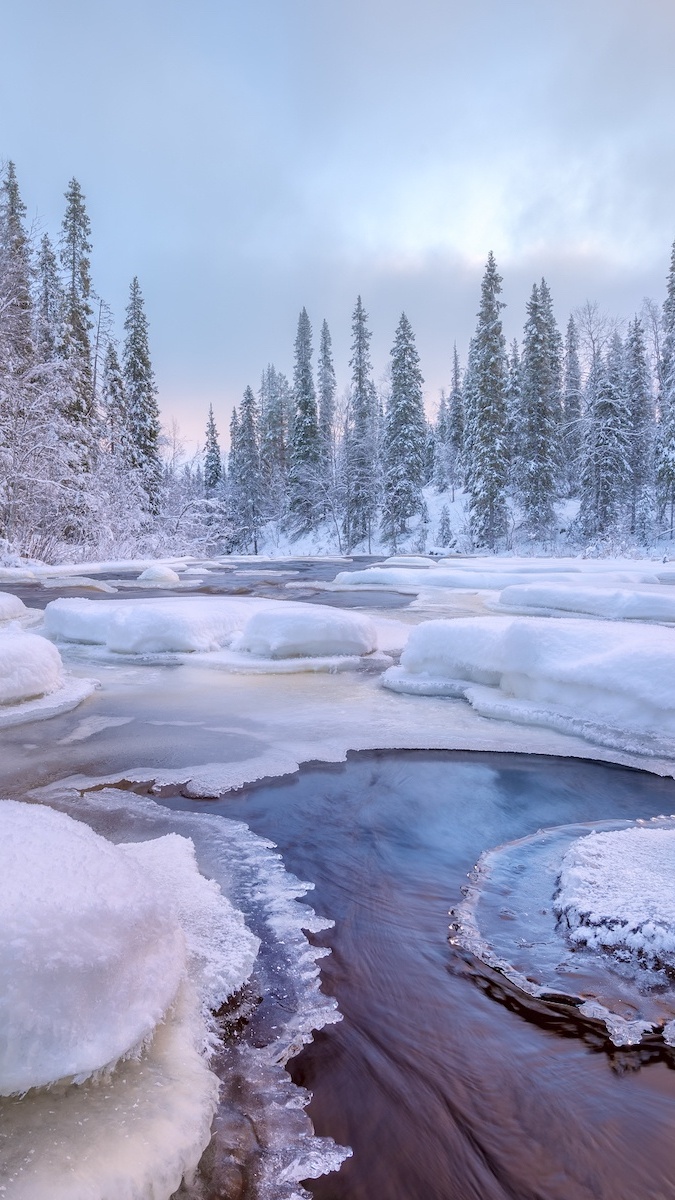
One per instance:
(564, 440)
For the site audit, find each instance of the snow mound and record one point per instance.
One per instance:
(269, 629)
(617, 605)
(309, 632)
(534, 670)
(159, 574)
(616, 893)
(12, 608)
(95, 941)
(29, 667)
(405, 574)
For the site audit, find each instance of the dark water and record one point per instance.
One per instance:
(443, 1092)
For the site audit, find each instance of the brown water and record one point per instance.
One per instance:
(443, 1091)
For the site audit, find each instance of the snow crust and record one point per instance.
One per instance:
(533, 667)
(29, 666)
(95, 940)
(268, 629)
(616, 892)
(612, 604)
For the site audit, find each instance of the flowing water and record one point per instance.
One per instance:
(445, 1086)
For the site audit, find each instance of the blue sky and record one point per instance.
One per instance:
(244, 159)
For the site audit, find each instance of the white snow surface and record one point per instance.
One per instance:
(265, 628)
(578, 668)
(478, 574)
(289, 632)
(95, 940)
(159, 573)
(601, 601)
(30, 666)
(12, 608)
(616, 892)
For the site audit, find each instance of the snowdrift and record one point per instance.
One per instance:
(267, 629)
(29, 667)
(95, 942)
(616, 893)
(560, 673)
(612, 604)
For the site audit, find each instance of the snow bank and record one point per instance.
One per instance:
(616, 893)
(29, 667)
(12, 608)
(538, 668)
(95, 941)
(617, 605)
(264, 628)
(159, 574)
(287, 632)
(405, 574)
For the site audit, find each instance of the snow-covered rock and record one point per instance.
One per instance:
(290, 632)
(95, 941)
(613, 604)
(536, 668)
(159, 574)
(616, 893)
(30, 666)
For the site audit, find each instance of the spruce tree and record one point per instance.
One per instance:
(360, 456)
(441, 473)
(213, 465)
(404, 438)
(539, 420)
(641, 436)
(141, 395)
(275, 403)
(514, 403)
(48, 309)
(305, 456)
(572, 410)
(327, 388)
(445, 535)
(16, 342)
(485, 409)
(605, 468)
(114, 404)
(244, 478)
(665, 468)
(77, 310)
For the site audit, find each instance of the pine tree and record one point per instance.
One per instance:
(441, 474)
(49, 304)
(141, 394)
(405, 437)
(16, 343)
(485, 409)
(445, 535)
(572, 410)
(77, 310)
(213, 465)
(641, 437)
(539, 419)
(605, 466)
(514, 403)
(360, 453)
(327, 389)
(305, 456)
(244, 477)
(114, 404)
(665, 463)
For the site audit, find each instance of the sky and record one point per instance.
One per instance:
(244, 158)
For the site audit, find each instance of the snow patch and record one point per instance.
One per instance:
(29, 667)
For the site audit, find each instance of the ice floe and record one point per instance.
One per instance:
(580, 676)
(600, 601)
(239, 633)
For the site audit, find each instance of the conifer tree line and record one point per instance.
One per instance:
(564, 439)
(80, 456)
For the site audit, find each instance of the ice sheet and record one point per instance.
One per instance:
(600, 601)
